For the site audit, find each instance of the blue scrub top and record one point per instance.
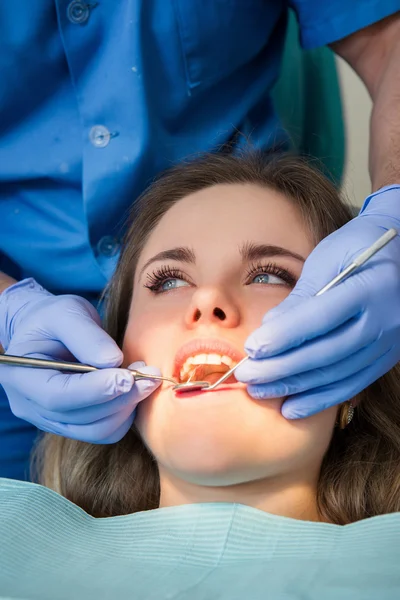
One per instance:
(98, 97)
(51, 549)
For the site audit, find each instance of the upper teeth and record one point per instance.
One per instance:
(205, 359)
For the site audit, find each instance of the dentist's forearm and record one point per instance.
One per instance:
(374, 54)
(384, 150)
(5, 281)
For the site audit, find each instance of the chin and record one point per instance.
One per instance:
(221, 473)
(222, 411)
(209, 437)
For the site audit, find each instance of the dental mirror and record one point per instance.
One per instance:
(191, 386)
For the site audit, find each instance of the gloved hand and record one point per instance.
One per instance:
(321, 351)
(97, 407)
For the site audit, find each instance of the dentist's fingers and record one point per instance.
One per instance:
(317, 377)
(59, 391)
(82, 423)
(55, 391)
(90, 414)
(318, 353)
(76, 323)
(311, 318)
(105, 431)
(311, 402)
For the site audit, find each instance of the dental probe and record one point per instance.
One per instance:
(356, 264)
(60, 365)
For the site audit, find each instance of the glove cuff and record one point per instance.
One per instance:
(382, 191)
(12, 300)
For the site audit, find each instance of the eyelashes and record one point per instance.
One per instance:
(271, 269)
(162, 274)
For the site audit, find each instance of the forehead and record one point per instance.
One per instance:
(224, 216)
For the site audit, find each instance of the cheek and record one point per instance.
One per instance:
(134, 344)
(308, 439)
(259, 301)
(151, 329)
(141, 335)
(151, 336)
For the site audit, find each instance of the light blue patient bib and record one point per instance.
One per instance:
(51, 549)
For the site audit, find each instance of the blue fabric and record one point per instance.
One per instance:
(51, 549)
(167, 79)
(16, 440)
(322, 23)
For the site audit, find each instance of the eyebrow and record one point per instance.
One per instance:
(181, 254)
(248, 252)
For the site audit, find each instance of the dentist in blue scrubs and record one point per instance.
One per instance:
(98, 97)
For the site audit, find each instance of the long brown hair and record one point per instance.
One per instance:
(359, 475)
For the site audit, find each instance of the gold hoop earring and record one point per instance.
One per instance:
(346, 414)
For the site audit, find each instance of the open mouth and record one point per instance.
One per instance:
(205, 367)
(205, 359)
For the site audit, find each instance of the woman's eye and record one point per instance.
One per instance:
(267, 278)
(172, 284)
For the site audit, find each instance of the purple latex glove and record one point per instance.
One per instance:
(97, 407)
(321, 351)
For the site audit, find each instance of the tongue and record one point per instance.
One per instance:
(212, 377)
(210, 373)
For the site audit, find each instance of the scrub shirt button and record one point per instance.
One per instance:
(108, 246)
(99, 136)
(78, 12)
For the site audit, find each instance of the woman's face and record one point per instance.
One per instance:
(217, 261)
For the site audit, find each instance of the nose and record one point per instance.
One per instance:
(212, 307)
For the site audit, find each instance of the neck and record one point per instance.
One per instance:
(295, 499)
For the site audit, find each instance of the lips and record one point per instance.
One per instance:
(205, 346)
